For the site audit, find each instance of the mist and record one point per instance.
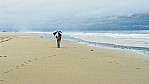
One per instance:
(24, 15)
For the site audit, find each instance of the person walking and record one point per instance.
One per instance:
(59, 40)
(58, 37)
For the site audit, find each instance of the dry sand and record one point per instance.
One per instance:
(25, 59)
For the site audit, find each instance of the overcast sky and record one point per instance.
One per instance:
(26, 11)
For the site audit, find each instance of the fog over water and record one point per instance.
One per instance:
(73, 15)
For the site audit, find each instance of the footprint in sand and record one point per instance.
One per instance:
(1, 80)
(35, 59)
(6, 40)
(138, 68)
(6, 72)
(29, 61)
(17, 67)
(54, 55)
(11, 70)
(113, 63)
(3, 56)
(26, 62)
(49, 56)
(23, 65)
(43, 58)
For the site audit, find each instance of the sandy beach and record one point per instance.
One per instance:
(26, 59)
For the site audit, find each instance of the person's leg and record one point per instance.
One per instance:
(58, 43)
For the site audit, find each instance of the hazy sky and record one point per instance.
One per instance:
(30, 11)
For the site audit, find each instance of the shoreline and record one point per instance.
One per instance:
(119, 47)
(87, 43)
(141, 50)
(137, 49)
(37, 60)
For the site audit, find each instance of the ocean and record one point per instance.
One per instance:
(137, 40)
(120, 32)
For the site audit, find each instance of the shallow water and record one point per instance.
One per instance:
(131, 40)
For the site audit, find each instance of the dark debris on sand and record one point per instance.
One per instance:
(92, 50)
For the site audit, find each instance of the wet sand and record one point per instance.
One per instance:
(25, 59)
